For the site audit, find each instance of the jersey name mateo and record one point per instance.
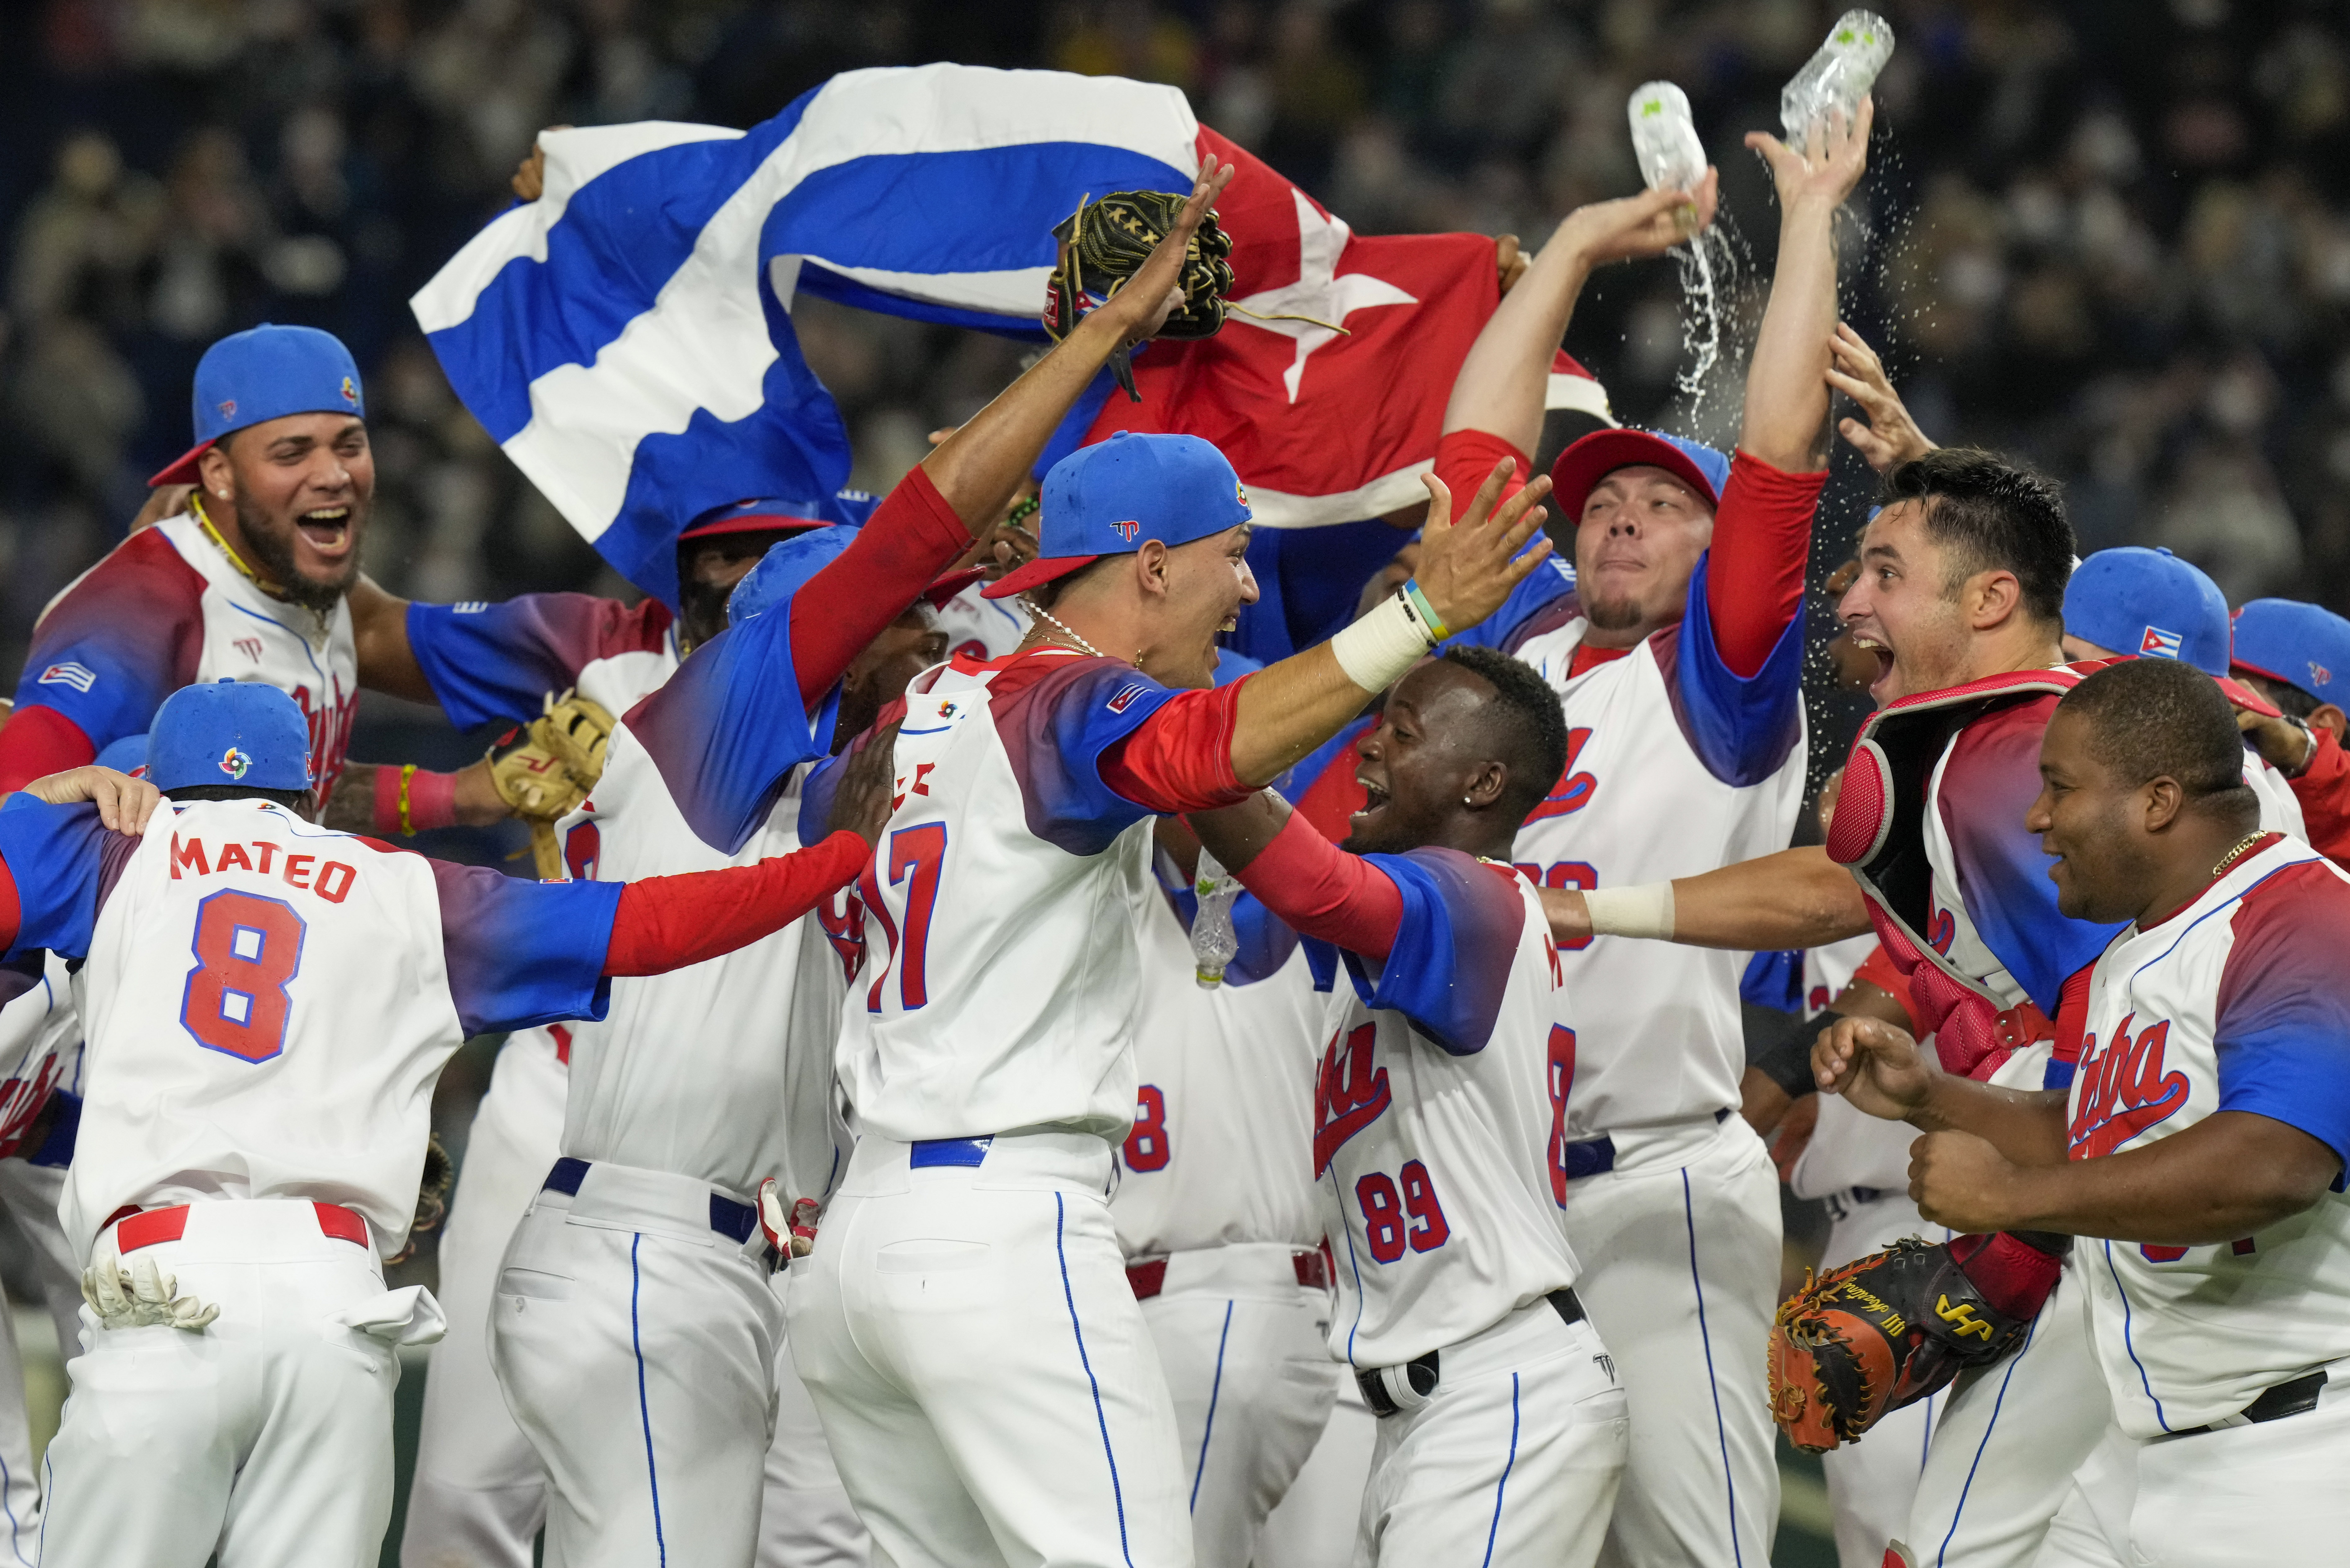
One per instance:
(331, 881)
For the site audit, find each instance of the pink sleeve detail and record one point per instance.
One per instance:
(912, 537)
(1180, 758)
(1761, 537)
(1323, 891)
(432, 800)
(668, 922)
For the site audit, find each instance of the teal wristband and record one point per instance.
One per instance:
(1436, 630)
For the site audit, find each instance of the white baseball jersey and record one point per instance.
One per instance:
(1004, 902)
(1217, 1152)
(40, 1042)
(981, 628)
(1675, 767)
(2239, 1001)
(1440, 1114)
(1849, 1147)
(166, 609)
(269, 1002)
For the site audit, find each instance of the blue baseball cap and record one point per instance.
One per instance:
(2302, 645)
(767, 514)
(266, 373)
(2148, 604)
(1581, 467)
(126, 755)
(1107, 499)
(229, 732)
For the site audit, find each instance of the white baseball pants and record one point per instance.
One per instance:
(1872, 1482)
(1514, 1460)
(982, 1369)
(1680, 1246)
(805, 1519)
(265, 1439)
(1313, 1524)
(636, 1347)
(29, 1194)
(479, 1493)
(2007, 1442)
(1248, 1366)
(2244, 1497)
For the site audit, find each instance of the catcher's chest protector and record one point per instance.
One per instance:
(1881, 832)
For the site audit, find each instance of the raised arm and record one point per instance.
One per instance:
(1785, 419)
(1794, 898)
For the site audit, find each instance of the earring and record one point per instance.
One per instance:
(1466, 801)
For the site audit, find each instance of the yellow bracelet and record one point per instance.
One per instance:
(407, 828)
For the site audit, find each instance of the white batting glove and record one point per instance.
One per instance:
(140, 1296)
(791, 1233)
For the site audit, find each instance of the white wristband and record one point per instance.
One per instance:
(1376, 650)
(1645, 910)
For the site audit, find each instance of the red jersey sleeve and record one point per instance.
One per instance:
(668, 922)
(2324, 791)
(911, 538)
(1464, 458)
(1762, 539)
(1181, 757)
(1320, 891)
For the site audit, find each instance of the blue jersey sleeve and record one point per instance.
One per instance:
(487, 662)
(55, 854)
(1453, 951)
(1055, 727)
(2282, 1030)
(727, 728)
(1741, 727)
(523, 953)
(1990, 781)
(119, 641)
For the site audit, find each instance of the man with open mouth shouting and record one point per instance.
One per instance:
(246, 583)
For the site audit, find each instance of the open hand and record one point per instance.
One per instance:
(1647, 225)
(1891, 437)
(1873, 1066)
(869, 783)
(124, 803)
(1825, 170)
(529, 182)
(1143, 306)
(1467, 569)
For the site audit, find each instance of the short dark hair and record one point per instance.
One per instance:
(2156, 718)
(1991, 513)
(291, 799)
(1530, 730)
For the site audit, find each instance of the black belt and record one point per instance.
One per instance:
(1420, 1371)
(2276, 1404)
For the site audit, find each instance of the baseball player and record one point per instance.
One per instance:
(268, 1106)
(1677, 654)
(2289, 652)
(2198, 1151)
(1440, 1126)
(247, 582)
(698, 1090)
(1214, 1206)
(966, 1326)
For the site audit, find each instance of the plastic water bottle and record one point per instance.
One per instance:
(1664, 137)
(1214, 943)
(1839, 75)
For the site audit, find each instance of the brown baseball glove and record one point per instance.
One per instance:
(545, 768)
(1891, 1328)
(1104, 244)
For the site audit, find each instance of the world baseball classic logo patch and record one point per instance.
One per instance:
(81, 677)
(2159, 644)
(235, 764)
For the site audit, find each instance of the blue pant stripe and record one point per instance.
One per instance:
(644, 1405)
(1101, 1417)
(1705, 1337)
(1215, 1391)
(1493, 1531)
(1990, 1426)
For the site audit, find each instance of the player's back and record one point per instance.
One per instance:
(268, 1003)
(1004, 971)
(1439, 1117)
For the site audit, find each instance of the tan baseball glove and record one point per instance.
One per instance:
(543, 769)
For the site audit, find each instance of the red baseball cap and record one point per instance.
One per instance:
(1581, 467)
(763, 514)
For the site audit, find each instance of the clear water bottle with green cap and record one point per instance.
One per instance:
(1214, 943)
(1839, 75)
(1664, 137)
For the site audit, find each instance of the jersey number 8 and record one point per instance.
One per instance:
(247, 948)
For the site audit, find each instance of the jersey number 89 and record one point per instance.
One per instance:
(247, 948)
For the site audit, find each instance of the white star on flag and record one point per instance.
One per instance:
(1318, 293)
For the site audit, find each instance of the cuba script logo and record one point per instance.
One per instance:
(1575, 790)
(1349, 1095)
(2123, 1088)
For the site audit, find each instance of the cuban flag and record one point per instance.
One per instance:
(626, 338)
(2159, 644)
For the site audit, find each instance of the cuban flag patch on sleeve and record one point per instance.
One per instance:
(81, 677)
(1124, 697)
(2159, 644)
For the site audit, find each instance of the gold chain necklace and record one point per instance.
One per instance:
(203, 520)
(2236, 854)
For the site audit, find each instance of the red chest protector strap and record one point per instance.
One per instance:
(1880, 832)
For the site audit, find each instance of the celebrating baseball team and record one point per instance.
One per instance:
(997, 1076)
